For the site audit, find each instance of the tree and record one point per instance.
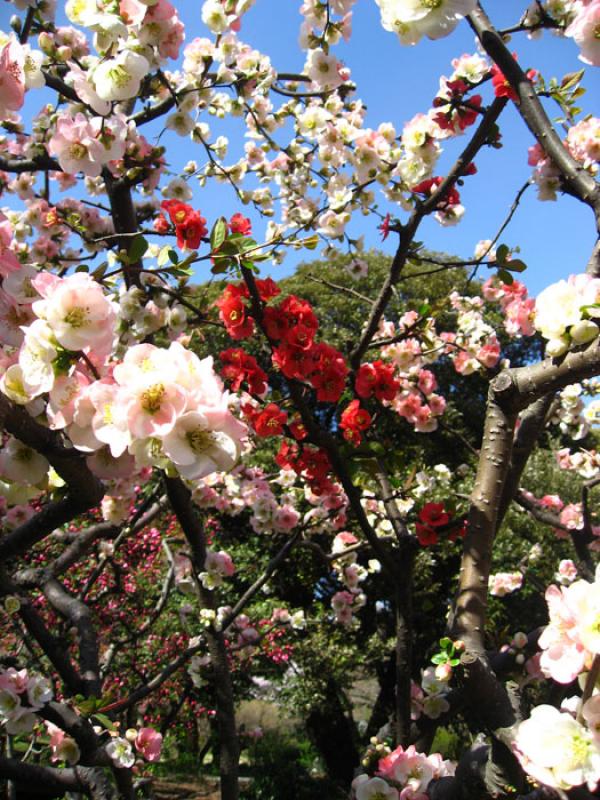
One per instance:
(123, 448)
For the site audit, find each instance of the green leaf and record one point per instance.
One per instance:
(173, 256)
(82, 268)
(445, 643)
(98, 273)
(312, 242)
(501, 253)
(506, 277)
(105, 721)
(138, 248)
(218, 233)
(439, 658)
(515, 265)
(571, 79)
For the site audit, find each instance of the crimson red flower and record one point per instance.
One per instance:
(267, 288)
(270, 421)
(177, 211)
(238, 366)
(190, 233)
(353, 421)
(234, 313)
(240, 224)
(434, 514)
(287, 457)
(385, 227)
(451, 196)
(427, 536)
(298, 430)
(376, 379)
(501, 84)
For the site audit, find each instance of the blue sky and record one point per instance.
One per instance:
(397, 82)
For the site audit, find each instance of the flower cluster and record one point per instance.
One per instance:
(413, 19)
(190, 226)
(158, 405)
(565, 313)
(400, 774)
(517, 307)
(22, 694)
(503, 583)
(432, 518)
(571, 640)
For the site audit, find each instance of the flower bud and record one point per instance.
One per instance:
(584, 331)
(557, 347)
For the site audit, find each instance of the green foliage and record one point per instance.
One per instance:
(284, 766)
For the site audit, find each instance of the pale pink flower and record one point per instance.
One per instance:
(148, 742)
(78, 312)
(584, 29)
(503, 583)
(12, 77)
(75, 146)
(8, 260)
(556, 750)
(366, 788)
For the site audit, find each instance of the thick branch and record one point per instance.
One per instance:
(84, 489)
(181, 502)
(579, 182)
(80, 616)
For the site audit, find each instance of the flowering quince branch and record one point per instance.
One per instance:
(85, 390)
(408, 231)
(578, 181)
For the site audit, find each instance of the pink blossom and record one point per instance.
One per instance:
(503, 583)
(148, 742)
(584, 29)
(8, 261)
(12, 77)
(75, 146)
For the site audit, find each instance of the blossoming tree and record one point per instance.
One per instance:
(111, 421)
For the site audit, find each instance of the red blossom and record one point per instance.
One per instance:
(353, 421)
(385, 227)
(240, 224)
(270, 421)
(234, 313)
(161, 224)
(238, 366)
(376, 379)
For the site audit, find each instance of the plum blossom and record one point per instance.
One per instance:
(21, 464)
(366, 788)
(63, 747)
(217, 565)
(323, 69)
(75, 145)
